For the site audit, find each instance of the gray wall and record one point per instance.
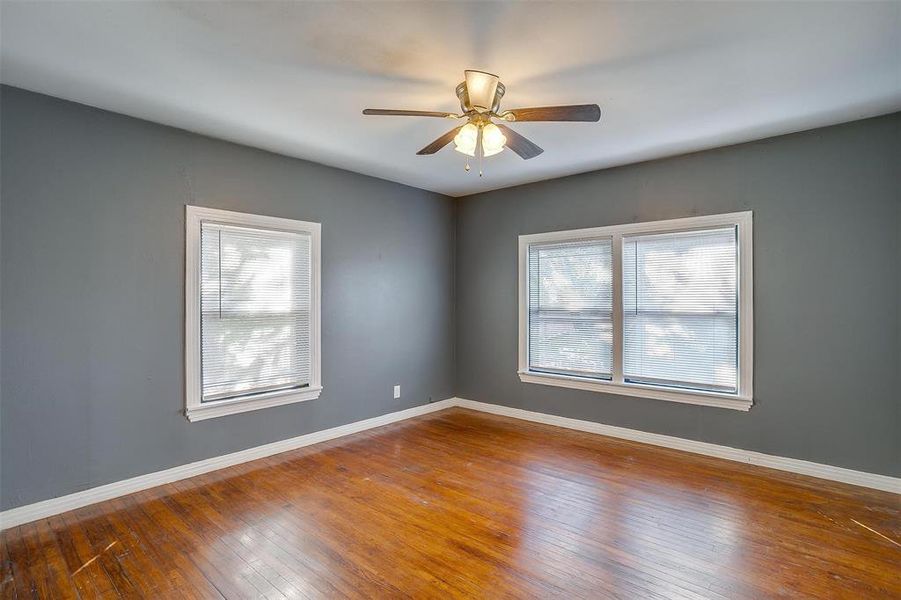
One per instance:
(827, 262)
(93, 293)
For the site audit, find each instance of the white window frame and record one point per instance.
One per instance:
(741, 400)
(195, 410)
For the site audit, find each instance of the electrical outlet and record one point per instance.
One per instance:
(396, 392)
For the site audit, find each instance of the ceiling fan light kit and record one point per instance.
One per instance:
(480, 97)
(467, 139)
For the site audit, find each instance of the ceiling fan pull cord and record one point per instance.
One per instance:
(480, 150)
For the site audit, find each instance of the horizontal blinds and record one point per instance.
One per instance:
(255, 310)
(571, 308)
(680, 317)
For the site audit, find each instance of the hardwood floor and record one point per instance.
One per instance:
(463, 504)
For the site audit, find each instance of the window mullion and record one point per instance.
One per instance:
(617, 274)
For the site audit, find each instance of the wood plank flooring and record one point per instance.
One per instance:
(463, 504)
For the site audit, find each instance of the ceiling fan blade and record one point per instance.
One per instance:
(576, 112)
(441, 142)
(407, 113)
(522, 145)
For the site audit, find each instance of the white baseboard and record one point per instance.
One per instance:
(47, 508)
(793, 465)
(54, 506)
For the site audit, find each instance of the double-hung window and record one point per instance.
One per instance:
(252, 312)
(660, 310)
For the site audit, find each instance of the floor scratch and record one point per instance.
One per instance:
(95, 558)
(877, 533)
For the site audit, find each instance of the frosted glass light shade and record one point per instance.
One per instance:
(493, 139)
(481, 88)
(466, 139)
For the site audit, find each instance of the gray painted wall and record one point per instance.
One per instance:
(93, 293)
(827, 262)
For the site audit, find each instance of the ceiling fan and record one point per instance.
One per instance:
(480, 98)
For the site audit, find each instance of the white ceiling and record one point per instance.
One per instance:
(292, 77)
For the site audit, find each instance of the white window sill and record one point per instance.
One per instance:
(233, 406)
(642, 391)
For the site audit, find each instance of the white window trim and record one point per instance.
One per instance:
(194, 409)
(742, 400)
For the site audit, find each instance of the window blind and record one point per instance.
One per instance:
(255, 310)
(571, 308)
(680, 309)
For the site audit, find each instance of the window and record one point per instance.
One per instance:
(252, 312)
(659, 310)
(571, 308)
